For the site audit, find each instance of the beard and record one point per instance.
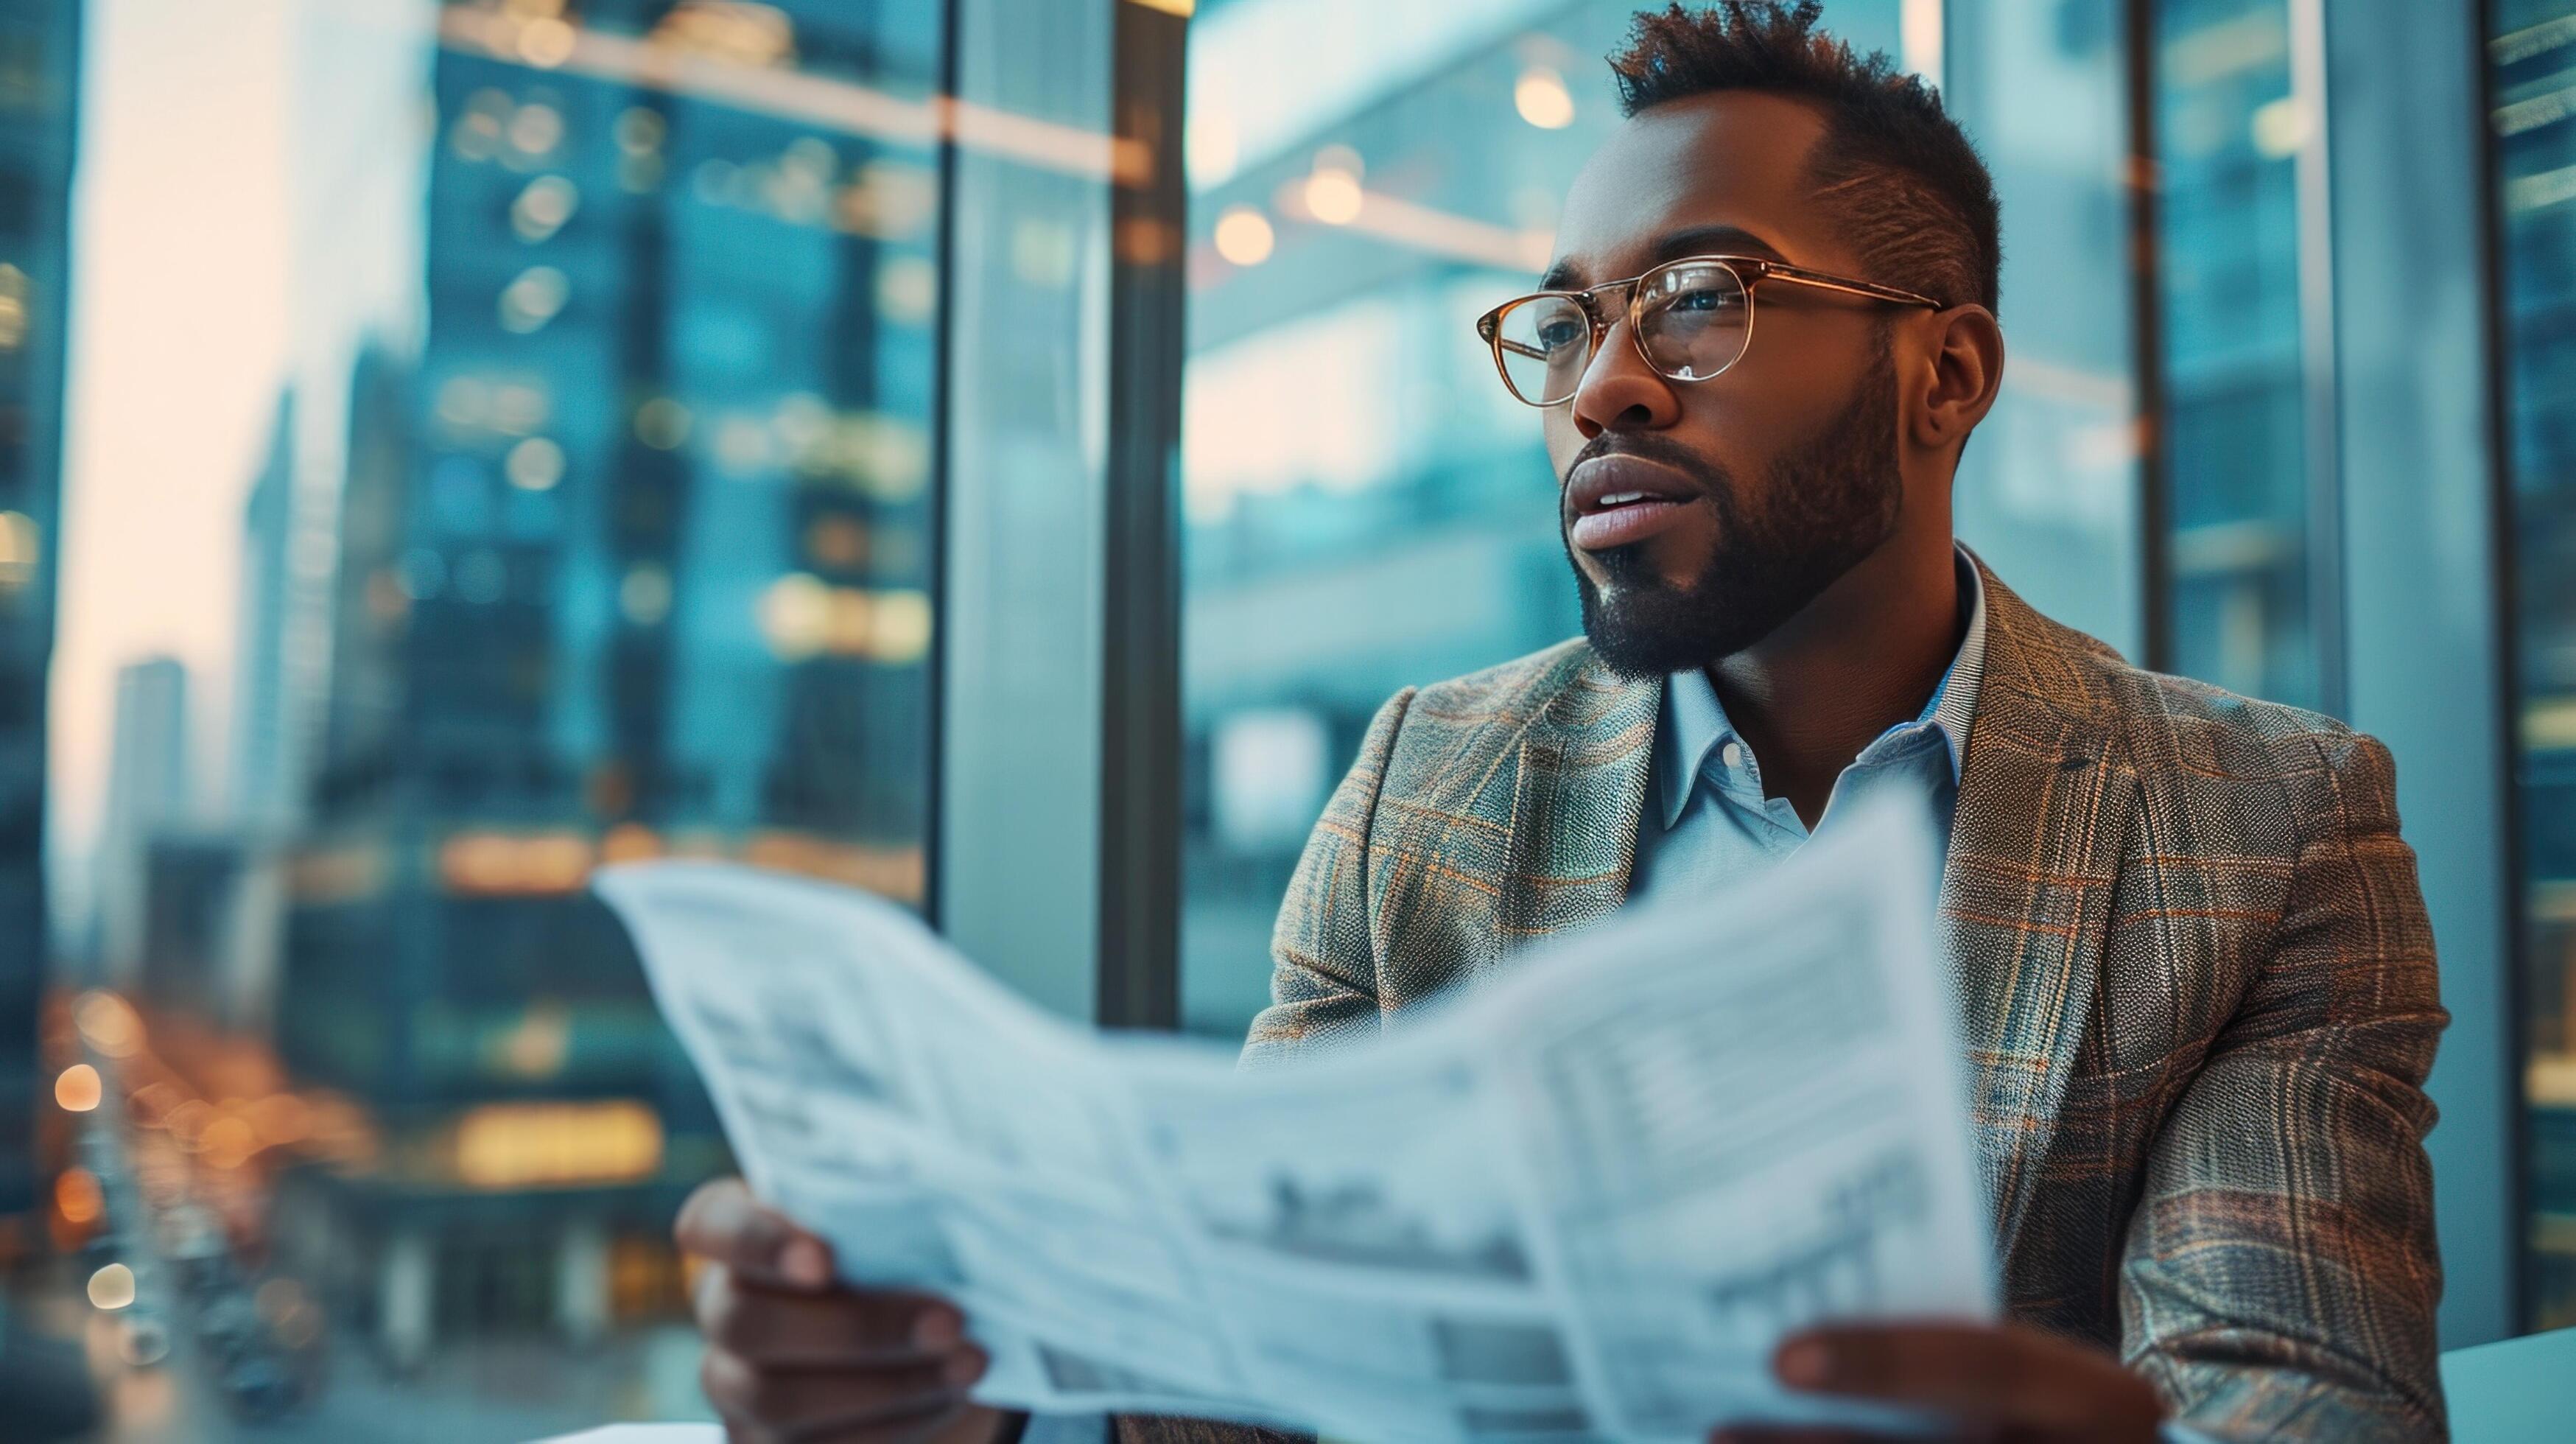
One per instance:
(1830, 503)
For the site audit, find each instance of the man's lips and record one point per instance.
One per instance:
(1616, 500)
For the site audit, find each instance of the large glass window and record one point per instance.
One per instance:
(503, 447)
(1366, 508)
(2047, 491)
(2230, 129)
(2533, 55)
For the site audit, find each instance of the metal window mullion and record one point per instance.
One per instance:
(1140, 794)
(2149, 423)
(2319, 397)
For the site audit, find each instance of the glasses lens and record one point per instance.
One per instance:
(1545, 341)
(1695, 319)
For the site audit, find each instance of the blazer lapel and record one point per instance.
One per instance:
(1578, 791)
(2035, 842)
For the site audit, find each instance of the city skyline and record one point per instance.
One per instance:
(185, 111)
(587, 514)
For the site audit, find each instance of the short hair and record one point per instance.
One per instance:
(1893, 166)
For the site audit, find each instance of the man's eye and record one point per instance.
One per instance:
(1703, 301)
(1557, 335)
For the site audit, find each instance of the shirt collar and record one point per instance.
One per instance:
(1694, 723)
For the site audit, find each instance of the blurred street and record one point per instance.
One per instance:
(495, 1389)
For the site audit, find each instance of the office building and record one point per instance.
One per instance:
(39, 80)
(633, 557)
(148, 796)
(265, 788)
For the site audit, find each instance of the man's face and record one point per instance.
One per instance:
(1766, 482)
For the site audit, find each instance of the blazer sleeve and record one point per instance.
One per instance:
(2280, 1275)
(1323, 975)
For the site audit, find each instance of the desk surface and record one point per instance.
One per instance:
(2519, 1391)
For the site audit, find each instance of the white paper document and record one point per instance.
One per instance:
(1583, 1200)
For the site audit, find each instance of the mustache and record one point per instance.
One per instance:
(1649, 446)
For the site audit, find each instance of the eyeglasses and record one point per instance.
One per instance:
(1691, 319)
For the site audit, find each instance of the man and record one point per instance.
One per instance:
(2191, 957)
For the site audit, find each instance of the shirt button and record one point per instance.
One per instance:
(1732, 754)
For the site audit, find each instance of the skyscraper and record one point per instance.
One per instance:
(633, 560)
(264, 793)
(39, 76)
(147, 797)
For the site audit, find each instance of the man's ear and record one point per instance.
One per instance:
(1967, 368)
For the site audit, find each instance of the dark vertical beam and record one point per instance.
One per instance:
(934, 710)
(646, 513)
(2155, 481)
(2320, 384)
(1140, 755)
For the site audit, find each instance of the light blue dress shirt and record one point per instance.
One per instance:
(1707, 822)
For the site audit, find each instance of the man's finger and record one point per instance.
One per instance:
(791, 1402)
(783, 1327)
(1980, 1371)
(723, 1223)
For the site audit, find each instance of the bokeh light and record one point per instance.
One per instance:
(107, 1023)
(78, 1088)
(1542, 99)
(1243, 236)
(112, 1287)
(77, 1196)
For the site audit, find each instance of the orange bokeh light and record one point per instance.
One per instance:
(77, 1197)
(78, 1088)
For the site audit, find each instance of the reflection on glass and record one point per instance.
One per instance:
(2047, 491)
(2228, 133)
(1366, 508)
(592, 524)
(2533, 56)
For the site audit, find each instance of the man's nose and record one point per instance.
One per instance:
(1619, 389)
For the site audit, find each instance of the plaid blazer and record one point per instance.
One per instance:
(2192, 961)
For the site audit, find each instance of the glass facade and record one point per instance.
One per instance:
(39, 69)
(633, 561)
(606, 532)
(2230, 128)
(2533, 86)
(2048, 491)
(1342, 246)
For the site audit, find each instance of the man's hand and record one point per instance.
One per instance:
(1998, 1381)
(792, 1354)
